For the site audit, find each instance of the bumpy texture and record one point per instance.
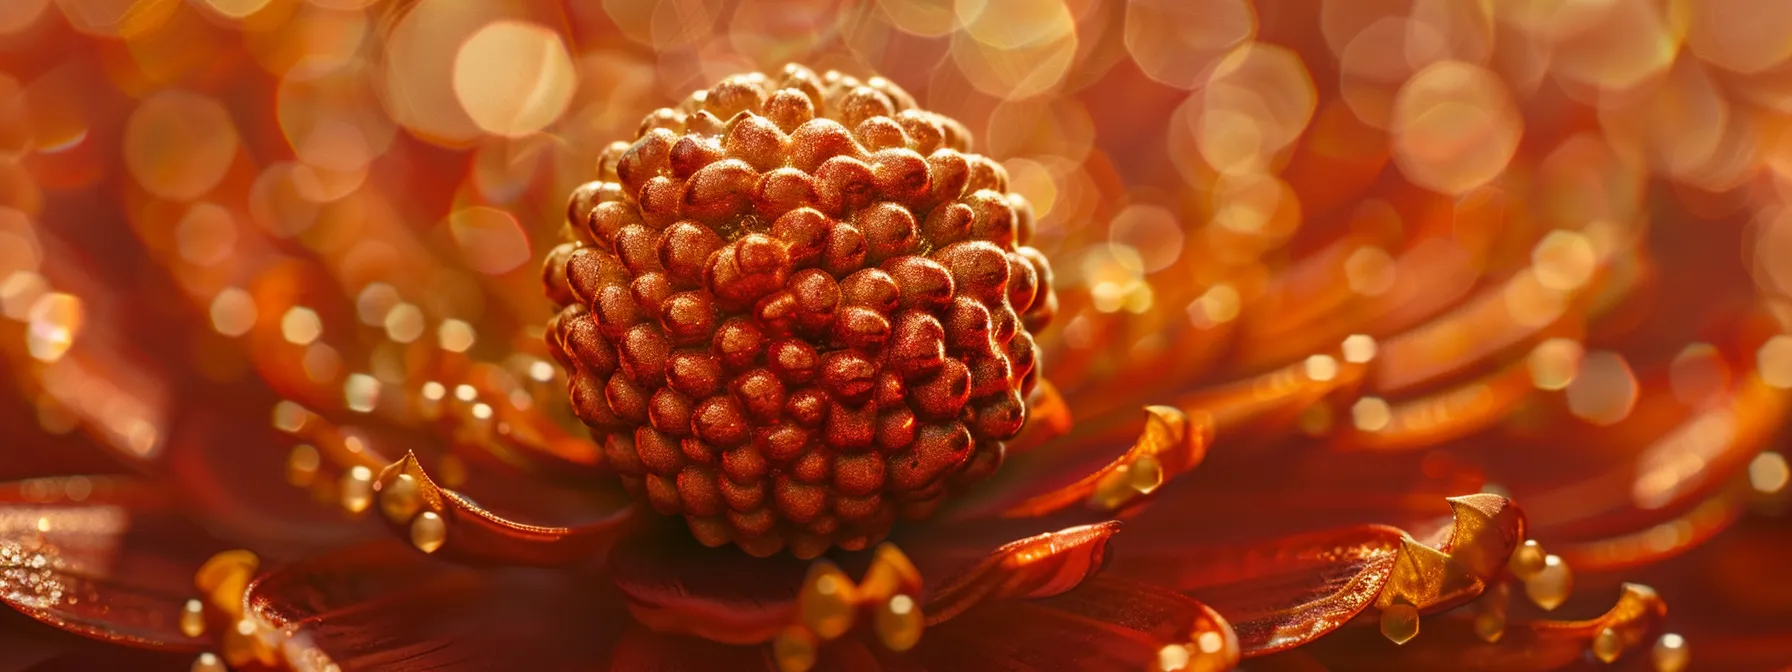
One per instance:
(796, 309)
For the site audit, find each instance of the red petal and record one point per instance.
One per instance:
(643, 650)
(1105, 624)
(475, 534)
(388, 607)
(676, 585)
(1524, 647)
(1039, 566)
(105, 560)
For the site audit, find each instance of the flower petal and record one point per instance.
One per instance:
(1104, 624)
(1282, 593)
(465, 531)
(1530, 646)
(675, 585)
(1038, 566)
(100, 557)
(1171, 444)
(387, 607)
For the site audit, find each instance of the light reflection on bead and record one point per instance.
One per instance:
(1608, 646)
(224, 577)
(357, 489)
(826, 604)
(794, 649)
(1527, 559)
(1670, 653)
(899, 623)
(1550, 586)
(302, 465)
(192, 618)
(428, 531)
(401, 499)
(1400, 623)
(208, 662)
(54, 321)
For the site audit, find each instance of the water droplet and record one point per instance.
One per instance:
(428, 531)
(899, 623)
(1400, 623)
(1670, 653)
(1550, 586)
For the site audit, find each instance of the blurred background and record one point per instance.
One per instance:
(1564, 219)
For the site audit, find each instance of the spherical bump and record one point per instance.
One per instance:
(609, 158)
(985, 459)
(999, 416)
(660, 453)
(819, 140)
(923, 130)
(789, 108)
(848, 375)
(844, 184)
(644, 351)
(948, 223)
(889, 230)
(650, 291)
(1025, 224)
(813, 466)
(746, 497)
(992, 219)
(850, 428)
(799, 502)
(663, 118)
(662, 493)
(794, 361)
(736, 94)
(589, 271)
(588, 401)
(688, 317)
(989, 374)
(669, 412)
(851, 509)
(646, 159)
(620, 454)
(747, 269)
(863, 103)
(938, 450)
(701, 122)
(616, 311)
(817, 299)
(895, 429)
(923, 283)
(978, 268)
(757, 141)
(845, 250)
(879, 133)
(699, 452)
(553, 274)
(858, 475)
(720, 190)
(783, 190)
(739, 343)
(698, 493)
(901, 174)
(720, 421)
(986, 174)
(870, 288)
(607, 219)
(626, 400)
(862, 329)
(753, 521)
(744, 464)
(761, 394)
(1023, 282)
(581, 202)
(589, 348)
(809, 406)
(636, 247)
(783, 442)
(693, 152)
(947, 172)
(967, 325)
(659, 201)
(694, 374)
(941, 396)
(804, 232)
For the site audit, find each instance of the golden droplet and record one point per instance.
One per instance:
(1114, 490)
(1400, 623)
(1670, 653)
(302, 465)
(794, 649)
(208, 662)
(827, 602)
(428, 531)
(1145, 475)
(891, 573)
(192, 618)
(224, 577)
(1550, 587)
(1527, 559)
(1607, 646)
(1172, 658)
(1490, 626)
(899, 623)
(401, 498)
(357, 489)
